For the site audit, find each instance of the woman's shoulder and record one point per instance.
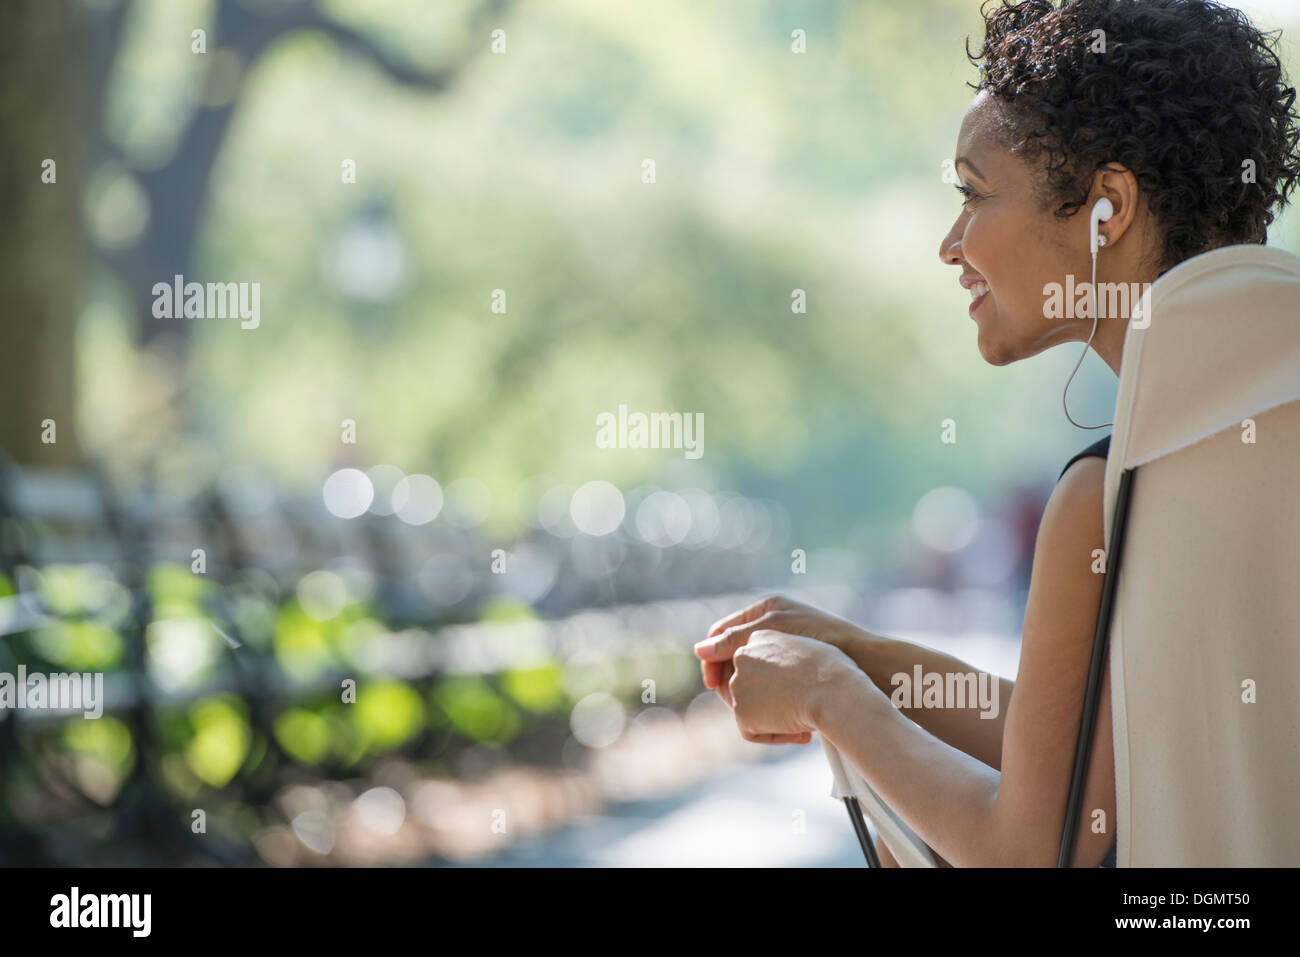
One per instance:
(1073, 516)
(1100, 449)
(1074, 509)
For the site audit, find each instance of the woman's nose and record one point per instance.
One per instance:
(950, 247)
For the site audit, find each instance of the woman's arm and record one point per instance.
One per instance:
(963, 808)
(881, 658)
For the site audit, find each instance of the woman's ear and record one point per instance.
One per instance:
(1117, 184)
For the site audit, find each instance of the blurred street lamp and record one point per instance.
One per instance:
(367, 262)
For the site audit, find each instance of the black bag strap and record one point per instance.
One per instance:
(1100, 649)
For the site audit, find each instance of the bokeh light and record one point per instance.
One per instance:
(417, 499)
(348, 493)
(597, 507)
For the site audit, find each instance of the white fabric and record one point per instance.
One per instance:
(1208, 594)
(908, 849)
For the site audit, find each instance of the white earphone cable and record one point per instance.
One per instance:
(1092, 292)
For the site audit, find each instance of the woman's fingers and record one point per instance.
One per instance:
(725, 672)
(717, 677)
(756, 610)
(722, 646)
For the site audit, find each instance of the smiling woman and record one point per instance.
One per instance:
(1172, 122)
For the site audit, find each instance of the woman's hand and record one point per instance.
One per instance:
(779, 683)
(777, 614)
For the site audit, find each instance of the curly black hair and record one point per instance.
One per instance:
(1185, 92)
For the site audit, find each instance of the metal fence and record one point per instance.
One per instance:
(228, 621)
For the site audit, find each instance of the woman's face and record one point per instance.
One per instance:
(1006, 240)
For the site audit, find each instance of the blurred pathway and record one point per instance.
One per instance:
(771, 813)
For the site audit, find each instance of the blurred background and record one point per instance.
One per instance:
(362, 584)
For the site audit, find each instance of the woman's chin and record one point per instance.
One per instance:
(993, 352)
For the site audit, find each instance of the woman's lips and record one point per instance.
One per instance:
(978, 288)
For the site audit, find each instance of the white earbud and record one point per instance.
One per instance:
(1102, 210)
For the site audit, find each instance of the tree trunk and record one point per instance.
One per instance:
(42, 251)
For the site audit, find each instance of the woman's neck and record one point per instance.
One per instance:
(1109, 341)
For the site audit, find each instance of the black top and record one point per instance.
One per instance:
(1101, 449)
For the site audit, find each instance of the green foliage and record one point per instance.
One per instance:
(304, 734)
(501, 608)
(76, 590)
(106, 740)
(302, 644)
(475, 710)
(540, 689)
(176, 591)
(79, 645)
(220, 741)
(386, 715)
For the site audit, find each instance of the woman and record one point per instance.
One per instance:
(1177, 112)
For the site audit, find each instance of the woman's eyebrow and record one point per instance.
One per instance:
(973, 167)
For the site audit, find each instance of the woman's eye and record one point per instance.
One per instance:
(967, 193)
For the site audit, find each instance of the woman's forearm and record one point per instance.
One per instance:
(881, 658)
(947, 796)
